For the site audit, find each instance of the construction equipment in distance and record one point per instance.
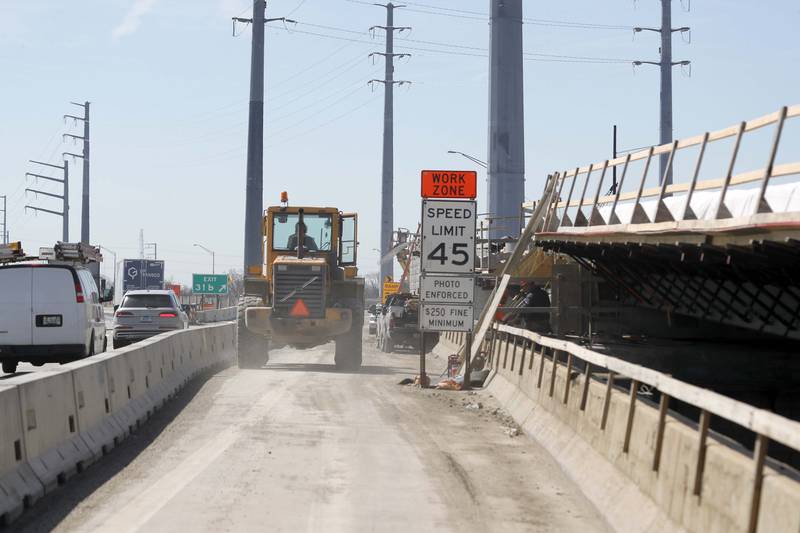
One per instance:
(307, 291)
(62, 252)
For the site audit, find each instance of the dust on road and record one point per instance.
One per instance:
(298, 446)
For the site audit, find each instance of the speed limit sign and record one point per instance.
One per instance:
(448, 236)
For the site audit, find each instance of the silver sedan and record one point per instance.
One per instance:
(144, 314)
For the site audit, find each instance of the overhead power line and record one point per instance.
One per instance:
(293, 11)
(320, 61)
(477, 15)
(332, 74)
(453, 49)
(326, 123)
(313, 115)
(451, 9)
(451, 15)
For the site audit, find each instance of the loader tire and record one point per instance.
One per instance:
(349, 346)
(252, 350)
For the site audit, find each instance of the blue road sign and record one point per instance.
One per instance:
(142, 274)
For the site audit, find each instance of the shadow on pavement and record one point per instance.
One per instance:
(47, 513)
(312, 367)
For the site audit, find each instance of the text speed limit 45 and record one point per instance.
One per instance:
(448, 236)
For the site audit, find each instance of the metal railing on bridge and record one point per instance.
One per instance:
(722, 249)
(692, 204)
(548, 361)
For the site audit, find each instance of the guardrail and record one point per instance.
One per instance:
(54, 423)
(666, 206)
(550, 360)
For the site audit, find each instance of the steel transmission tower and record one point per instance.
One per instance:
(254, 195)
(86, 163)
(506, 164)
(254, 191)
(64, 213)
(387, 174)
(666, 63)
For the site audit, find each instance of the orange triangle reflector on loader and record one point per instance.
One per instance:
(299, 309)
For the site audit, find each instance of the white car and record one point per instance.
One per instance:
(373, 319)
(146, 313)
(49, 313)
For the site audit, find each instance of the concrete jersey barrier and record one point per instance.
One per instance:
(53, 424)
(217, 315)
(607, 444)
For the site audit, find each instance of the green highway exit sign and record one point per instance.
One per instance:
(210, 283)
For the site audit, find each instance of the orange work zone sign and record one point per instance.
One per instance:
(461, 184)
(299, 309)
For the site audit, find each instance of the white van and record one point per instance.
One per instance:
(49, 313)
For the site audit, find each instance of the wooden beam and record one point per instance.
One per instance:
(541, 367)
(705, 418)
(587, 378)
(607, 400)
(663, 408)
(569, 372)
(759, 456)
(631, 410)
(553, 373)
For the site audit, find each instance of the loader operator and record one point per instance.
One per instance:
(308, 242)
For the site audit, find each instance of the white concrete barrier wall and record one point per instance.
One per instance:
(55, 423)
(18, 484)
(90, 382)
(53, 446)
(217, 315)
(623, 484)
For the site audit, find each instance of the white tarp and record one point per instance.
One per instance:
(781, 199)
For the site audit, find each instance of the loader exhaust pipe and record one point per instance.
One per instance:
(301, 235)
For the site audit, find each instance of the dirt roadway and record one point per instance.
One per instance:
(299, 447)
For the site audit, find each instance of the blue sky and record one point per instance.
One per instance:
(169, 88)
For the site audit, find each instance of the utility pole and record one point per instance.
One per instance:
(665, 64)
(141, 244)
(5, 221)
(506, 171)
(387, 173)
(64, 213)
(254, 188)
(86, 162)
(154, 247)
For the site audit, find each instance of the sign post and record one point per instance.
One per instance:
(447, 259)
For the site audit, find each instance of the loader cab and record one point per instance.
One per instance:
(316, 232)
(322, 232)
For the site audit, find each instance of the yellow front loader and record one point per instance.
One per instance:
(307, 291)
